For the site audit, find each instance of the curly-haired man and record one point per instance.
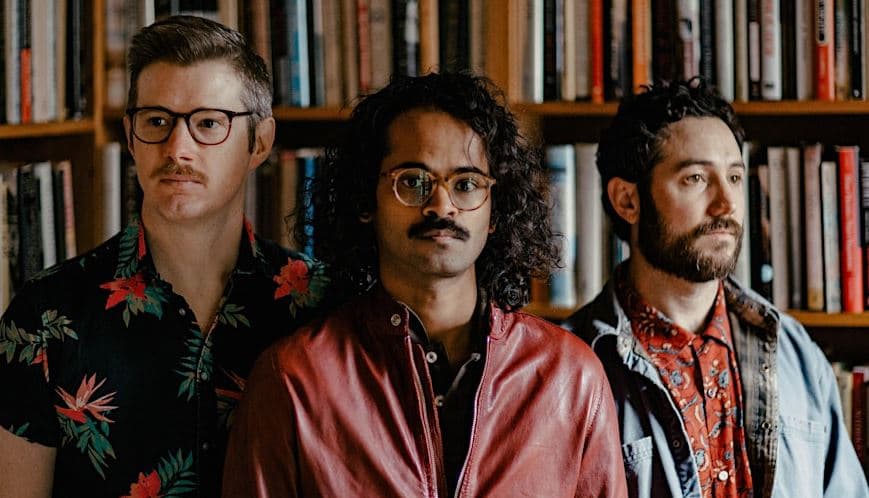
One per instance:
(718, 393)
(426, 381)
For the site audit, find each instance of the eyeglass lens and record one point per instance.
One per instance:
(206, 126)
(415, 186)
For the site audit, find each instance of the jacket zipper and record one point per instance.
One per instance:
(461, 480)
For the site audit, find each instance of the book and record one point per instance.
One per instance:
(796, 220)
(830, 237)
(590, 223)
(851, 252)
(561, 165)
(814, 249)
(770, 45)
(825, 85)
(42, 173)
(29, 230)
(778, 226)
(111, 183)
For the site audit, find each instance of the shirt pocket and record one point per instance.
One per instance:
(638, 456)
(802, 447)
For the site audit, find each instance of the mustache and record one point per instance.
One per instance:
(432, 223)
(173, 168)
(719, 224)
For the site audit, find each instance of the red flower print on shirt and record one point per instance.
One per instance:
(292, 279)
(147, 487)
(123, 288)
(81, 403)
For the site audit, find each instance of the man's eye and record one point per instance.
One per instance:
(466, 184)
(736, 179)
(694, 179)
(413, 182)
(208, 123)
(157, 121)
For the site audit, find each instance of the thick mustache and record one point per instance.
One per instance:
(719, 224)
(428, 224)
(172, 168)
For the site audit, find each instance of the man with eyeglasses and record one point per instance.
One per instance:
(121, 369)
(427, 381)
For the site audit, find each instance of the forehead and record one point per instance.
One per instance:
(435, 139)
(212, 83)
(706, 139)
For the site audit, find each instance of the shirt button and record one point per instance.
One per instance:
(205, 446)
(182, 312)
(765, 426)
(723, 475)
(395, 320)
(710, 392)
(476, 356)
(677, 443)
(431, 357)
(439, 401)
(765, 367)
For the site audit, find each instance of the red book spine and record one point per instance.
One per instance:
(364, 30)
(850, 249)
(595, 19)
(825, 66)
(26, 87)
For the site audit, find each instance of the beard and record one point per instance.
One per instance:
(677, 254)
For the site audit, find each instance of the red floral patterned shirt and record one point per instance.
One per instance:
(102, 360)
(701, 374)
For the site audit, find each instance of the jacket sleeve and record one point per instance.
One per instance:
(843, 474)
(602, 471)
(261, 459)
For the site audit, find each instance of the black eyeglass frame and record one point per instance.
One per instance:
(131, 113)
(395, 173)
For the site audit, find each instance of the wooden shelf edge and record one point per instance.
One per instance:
(283, 113)
(37, 130)
(811, 319)
(771, 108)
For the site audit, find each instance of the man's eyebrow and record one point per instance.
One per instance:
(687, 163)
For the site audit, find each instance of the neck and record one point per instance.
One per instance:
(686, 303)
(196, 259)
(445, 307)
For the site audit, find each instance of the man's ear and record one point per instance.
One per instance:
(263, 141)
(625, 199)
(128, 135)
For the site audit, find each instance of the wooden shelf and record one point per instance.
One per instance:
(811, 319)
(778, 108)
(38, 130)
(283, 113)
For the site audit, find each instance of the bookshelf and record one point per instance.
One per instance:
(82, 140)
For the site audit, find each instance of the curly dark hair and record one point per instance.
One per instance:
(631, 146)
(345, 186)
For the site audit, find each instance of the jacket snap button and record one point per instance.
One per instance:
(431, 357)
(765, 367)
(723, 475)
(439, 401)
(395, 320)
(765, 426)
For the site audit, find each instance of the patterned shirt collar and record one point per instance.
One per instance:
(648, 322)
(134, 257)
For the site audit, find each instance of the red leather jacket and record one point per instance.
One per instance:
(345, 408)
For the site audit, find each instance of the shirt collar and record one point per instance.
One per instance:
(134, 257)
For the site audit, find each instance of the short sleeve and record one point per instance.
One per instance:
(26, 396)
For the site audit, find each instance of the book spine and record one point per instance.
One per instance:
(568, 75)
(825, 85)
(561, 164)
(851, 256)
(841, 57)
(42, 173)
(641, 53)
(688, 22)
(778, 223)
(754, 50)
(25, 61)
(381, 43)
(707, 40)
(29, 231)
(805, 49)
(596, 41)
(664, 45)
(590, 223)
(740, 49)
(830, 221)
(349, 42)
(583, 50)
(770, 45)
(796, 222)
(813, 226)
(13, 68)
(724, 50)
(857, 48)
(618, 80)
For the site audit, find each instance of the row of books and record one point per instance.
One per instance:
(321, 52)
(853, 385)
(806, 227)
(750, 49)
(44, 47)
(37, 221)
(123, 18)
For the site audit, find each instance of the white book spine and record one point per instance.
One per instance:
(724, 66)
(830, 220)
(568, 76)
(42, 172)
(583, 50)
(805, 46)
(111, 189)
(349, 45)
(688, 14)
(814, 227)
(589, 225)
(778, 226)
(533, 74)
(795, 225)
(381, 43)
(562, 169)
(770, 45)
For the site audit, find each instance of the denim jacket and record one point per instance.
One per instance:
(797, 442)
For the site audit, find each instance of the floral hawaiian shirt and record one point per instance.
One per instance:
(102, 360)
(701, 375)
